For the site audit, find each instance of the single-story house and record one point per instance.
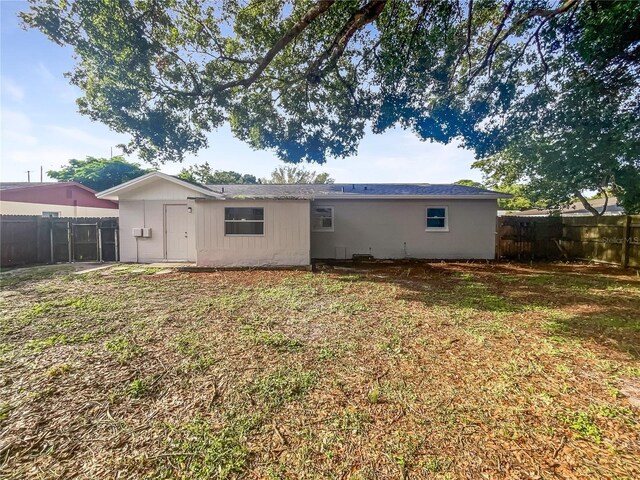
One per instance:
(165, 219)
(53, 199)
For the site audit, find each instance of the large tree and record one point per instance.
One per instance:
(580, 132)
(293, 174)
(98, 173)
(204, 174)
(305, 78)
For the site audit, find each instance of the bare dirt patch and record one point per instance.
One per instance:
(439, 370)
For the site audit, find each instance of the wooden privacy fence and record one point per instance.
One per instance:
(611, 239)
(26, 240)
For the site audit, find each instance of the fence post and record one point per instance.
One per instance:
(69, 247)
(626, 234)
(115, 237)
(51, 241)
(99, 243)
(497, 238)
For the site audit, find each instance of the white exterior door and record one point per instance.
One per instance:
(176, 233)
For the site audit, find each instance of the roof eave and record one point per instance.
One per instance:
(111, 193)
(362, 197)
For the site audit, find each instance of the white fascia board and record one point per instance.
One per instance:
(112, 193)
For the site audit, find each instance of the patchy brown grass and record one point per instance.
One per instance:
(427, 370)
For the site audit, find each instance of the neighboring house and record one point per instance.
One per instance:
(53, 199)
(163, 218)
(576, 209)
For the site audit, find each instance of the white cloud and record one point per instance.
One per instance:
(17, 129)
(24, 145)
(58, 85)
(78, 135)
(12, 90)
(44, 72)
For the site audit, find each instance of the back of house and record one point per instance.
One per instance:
(165, 219)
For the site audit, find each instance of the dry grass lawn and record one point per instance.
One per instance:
(417, 371)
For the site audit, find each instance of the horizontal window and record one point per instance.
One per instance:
(322, 219)
(244, 214)
(243, 221)
(437, 219)
(51, 214)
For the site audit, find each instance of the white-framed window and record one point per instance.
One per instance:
(51, 214)
(244, 221)
(322, 219)
(437, 219)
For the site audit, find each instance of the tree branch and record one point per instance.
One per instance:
(586, 204)
(321, 7)
(498, 40)
(606, 201)
(361, 17)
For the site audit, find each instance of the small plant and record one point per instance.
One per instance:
(393, 345)
(326, 353)
(5, 408)
(188, 343)
(137, 388)
(583, 424)
(276, 340)
(436, 465)
(202, 363)
(39, 345)
(374, 395)
(611, 411)
(352, 421)
(208, 453)
(123, 348)
(283, 385)
(349, 308)
(58, 370)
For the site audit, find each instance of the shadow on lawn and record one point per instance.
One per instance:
(599, 304)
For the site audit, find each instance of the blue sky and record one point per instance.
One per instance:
(40, 126)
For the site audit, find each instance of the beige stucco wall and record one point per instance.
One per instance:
(381, 228)
(23, 208)
(144, 208)
(286, 239)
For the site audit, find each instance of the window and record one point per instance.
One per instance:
(322, 219)
(51, 214)
(437, 219)
(243, 221)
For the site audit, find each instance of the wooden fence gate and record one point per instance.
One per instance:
(28, 240)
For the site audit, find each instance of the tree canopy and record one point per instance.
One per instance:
(98, 173)
(518, 201)
(306, 78)
(204, 174)
(579, 132)
(292, 174)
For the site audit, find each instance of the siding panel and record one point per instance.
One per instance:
(284, 241)
(382, 227)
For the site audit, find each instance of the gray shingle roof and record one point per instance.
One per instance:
(353, 190)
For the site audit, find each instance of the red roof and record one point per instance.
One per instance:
(53, 193)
